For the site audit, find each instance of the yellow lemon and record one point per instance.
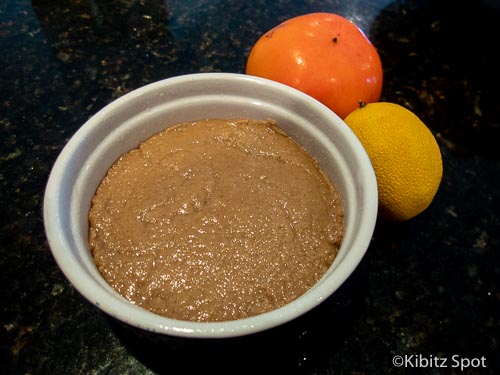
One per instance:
(404, 154)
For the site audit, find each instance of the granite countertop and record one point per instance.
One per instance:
(428, 287)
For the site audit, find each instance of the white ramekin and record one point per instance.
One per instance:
(127, 121)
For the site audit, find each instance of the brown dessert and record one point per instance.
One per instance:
(215, 220)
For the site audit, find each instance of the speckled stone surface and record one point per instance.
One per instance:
(428, 287)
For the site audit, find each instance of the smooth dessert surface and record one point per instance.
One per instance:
(215, 220)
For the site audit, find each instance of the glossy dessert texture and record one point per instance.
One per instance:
(215, 220)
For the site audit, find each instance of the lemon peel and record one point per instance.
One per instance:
(404, 154)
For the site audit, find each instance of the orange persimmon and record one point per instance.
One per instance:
(324, 55)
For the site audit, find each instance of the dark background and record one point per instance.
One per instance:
(428, 286)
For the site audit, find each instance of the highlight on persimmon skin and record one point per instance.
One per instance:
(324, 55)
